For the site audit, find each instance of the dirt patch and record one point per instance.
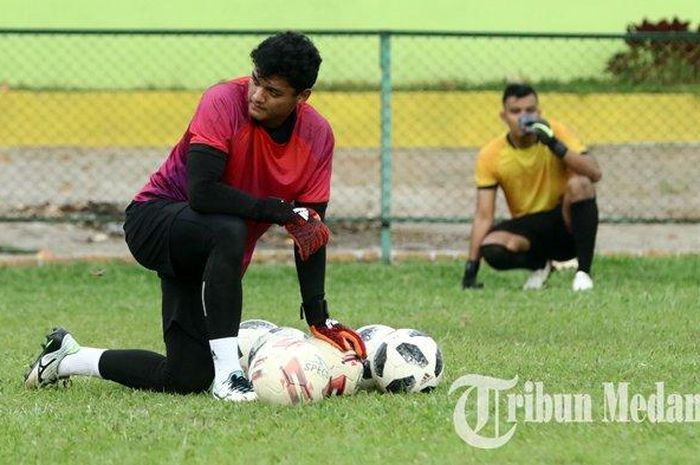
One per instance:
(640, 181)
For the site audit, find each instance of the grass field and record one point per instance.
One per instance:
(640, 325)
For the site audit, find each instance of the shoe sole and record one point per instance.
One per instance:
(242, 398)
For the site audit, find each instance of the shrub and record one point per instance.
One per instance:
(664, 52)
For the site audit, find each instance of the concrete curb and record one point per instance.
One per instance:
(45, 257)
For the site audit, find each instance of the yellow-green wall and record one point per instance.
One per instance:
(473, 15)
(421, 119)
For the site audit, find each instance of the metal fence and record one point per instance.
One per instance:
(86, 116)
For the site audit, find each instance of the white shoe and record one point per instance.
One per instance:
(582, 281)
(236, 388)
(44, 371)
(538, 278)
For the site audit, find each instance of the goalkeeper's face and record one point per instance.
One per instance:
(271, 99)
(514, 107)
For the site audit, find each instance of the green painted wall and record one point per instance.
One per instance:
(483, 15)
(90, 62)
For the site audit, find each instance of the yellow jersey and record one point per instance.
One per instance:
(532, 178)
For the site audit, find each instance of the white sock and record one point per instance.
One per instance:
(224, 352)
(84, 362)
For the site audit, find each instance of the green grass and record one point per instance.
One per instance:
(640, 325)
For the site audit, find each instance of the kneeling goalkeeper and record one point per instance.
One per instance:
(254, 154)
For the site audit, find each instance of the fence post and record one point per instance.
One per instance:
(385, 144)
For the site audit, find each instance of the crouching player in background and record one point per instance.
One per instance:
(548, 183)
(254, 154)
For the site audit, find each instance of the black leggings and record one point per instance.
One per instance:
(198, 258)
(186, 368)
(207, 257)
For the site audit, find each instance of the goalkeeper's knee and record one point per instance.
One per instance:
(500, 258)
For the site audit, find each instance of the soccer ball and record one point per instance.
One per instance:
(281, 333)
(407, 361)
(289, 372)
(372, 335)
(345, 368)
(248, 332)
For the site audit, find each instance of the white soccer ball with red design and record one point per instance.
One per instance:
(289, 372)
(248, 332)
(281, 333)
(345, 367)
(373, 336)
(407, 361)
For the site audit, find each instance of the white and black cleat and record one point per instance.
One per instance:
(236, 388)
(44, 371)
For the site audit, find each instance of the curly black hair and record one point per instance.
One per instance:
(290, 55)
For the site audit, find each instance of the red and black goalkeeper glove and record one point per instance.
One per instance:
(308, 231)
(340, 336)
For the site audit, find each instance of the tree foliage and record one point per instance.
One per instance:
(665, 52)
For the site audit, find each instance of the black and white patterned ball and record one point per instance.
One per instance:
(407, 360)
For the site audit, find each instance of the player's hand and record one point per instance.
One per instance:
(471, 269)
(540, 128)
(545, 134)
(272, 210)
(340, 336)
(308, 231)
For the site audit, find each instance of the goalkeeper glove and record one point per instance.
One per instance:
(471, 269)
(308, 231)
(326, 329)
(545, 134)
(340, 336)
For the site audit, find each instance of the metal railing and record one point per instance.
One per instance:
(87, 115)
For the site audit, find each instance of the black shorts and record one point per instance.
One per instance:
(148, 231)
(548, 235)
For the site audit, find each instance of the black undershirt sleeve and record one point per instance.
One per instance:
(312, 276)
(207, 194)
